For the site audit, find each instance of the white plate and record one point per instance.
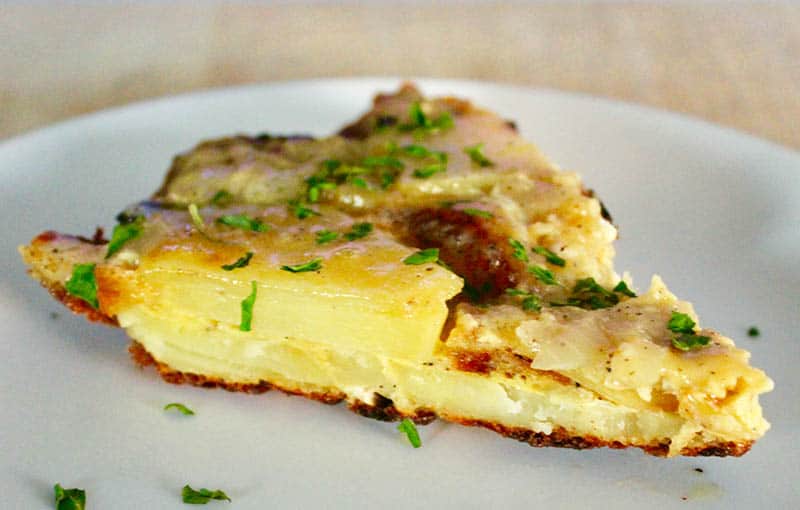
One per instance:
(715, 212)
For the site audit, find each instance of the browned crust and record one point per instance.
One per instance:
(383, 409)
(562, 438)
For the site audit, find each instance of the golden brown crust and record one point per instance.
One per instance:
(383, 409)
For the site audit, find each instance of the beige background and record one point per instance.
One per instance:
(733, 64)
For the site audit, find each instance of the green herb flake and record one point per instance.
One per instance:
(689, 341)
(123, 233)
(359, 182)
(243, 222)
(83, 284)
(410, 430)
(590, 295)
(622, 288)
(549, 256)
(358, 231)
(686, 340)
(430, 170)
(519, 250)
(478, 212)
(247, 308)
(326, 236)
(416, 151)
(419, 121)
(329, 165)
(680, 323)
(428, 255)
(300, 211)
(240, 262)
(753, 332)
(543, 275)
(201, 496)
(311, 265)
(530, 302)
(222, 198)
(69, 499)
(421, 152)
(180, 407)
(387, 161)
(475, 153)
(387, 179)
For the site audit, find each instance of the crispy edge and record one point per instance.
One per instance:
(383, 409)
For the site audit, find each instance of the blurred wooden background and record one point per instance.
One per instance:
(736, 64)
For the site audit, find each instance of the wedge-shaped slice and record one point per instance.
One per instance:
(426, 262)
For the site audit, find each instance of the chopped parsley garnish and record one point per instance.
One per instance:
(69, 499)
(243, 222)
(519, 250)
(680, 323)
(477, 212)
(330, 165)
(180, 407)
(549, 256)
(387, 179)
(420, 122)
(123, 233)
(753, 332)
(311, 265)
(332, 173)
(417, 116)
(358, 231)
(428, 255)
(247, 308)
(530, 302)
(590, 295)
(689, 341)
(82, 284)
(326, 236)
(387, 161)
(221, 198)
(622, 288)
(421, 152)
(240, 262)
(429, 170)
(475, 153)
(416, 151)
(686, 340)
(315, 189)
(300, 211)
(410, 430)
(543, 275)
(201, 496)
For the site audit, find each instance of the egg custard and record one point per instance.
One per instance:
(424, 262)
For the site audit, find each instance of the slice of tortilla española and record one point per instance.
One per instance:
(426, 261)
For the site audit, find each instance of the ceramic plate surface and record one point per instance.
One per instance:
(715, 212)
